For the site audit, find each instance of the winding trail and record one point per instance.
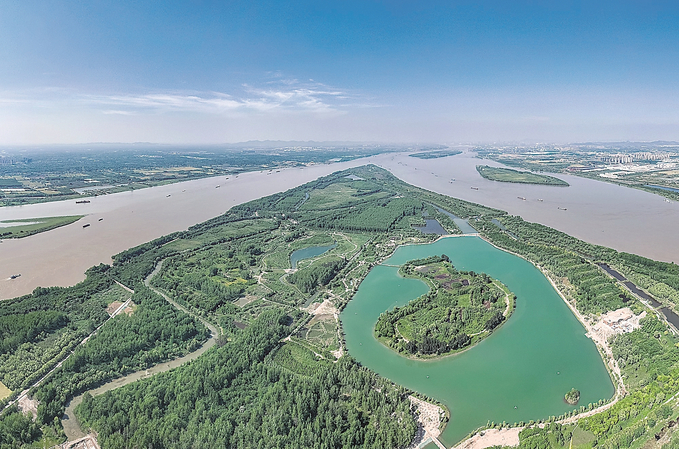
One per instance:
(24, 393)
(72, 427)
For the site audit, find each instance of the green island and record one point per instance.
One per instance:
(647, 166)
(435, 154)
(519, 177)
(14, 229)
(279, 369)
(572, 397)
(461, 309)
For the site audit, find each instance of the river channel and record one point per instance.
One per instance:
(597, 212)
(520, 373)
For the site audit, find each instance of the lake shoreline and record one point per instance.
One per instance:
(602, 345)
(508, 313)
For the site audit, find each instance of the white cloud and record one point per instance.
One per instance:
(281, 96)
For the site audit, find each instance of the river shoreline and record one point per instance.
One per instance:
(120, 221)
(598, 212)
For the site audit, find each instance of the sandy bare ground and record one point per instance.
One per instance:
(492, 437)
(28, 405)
(429, 418)
(324, 308)
(86, 442)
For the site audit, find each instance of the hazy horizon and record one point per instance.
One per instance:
(388, 72)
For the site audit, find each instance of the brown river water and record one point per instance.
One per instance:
(598, 212)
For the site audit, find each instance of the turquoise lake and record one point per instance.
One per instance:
(519, 373)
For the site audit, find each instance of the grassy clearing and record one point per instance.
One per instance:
(337, 196)
(582, 437)
(520, 177)
(4, 391)
(321, 333)
(113, 294)
(297, 359)
(13, 229)
(182, 245)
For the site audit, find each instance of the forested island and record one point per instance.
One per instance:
(23, 228)
(461, 309)
(435, 154)
(279, 374)
(520, 177)
(572, 397)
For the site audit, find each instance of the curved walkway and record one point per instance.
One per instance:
(72, 427)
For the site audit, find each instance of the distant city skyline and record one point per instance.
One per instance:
(222, 72)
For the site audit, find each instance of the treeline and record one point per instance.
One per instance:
(18, 329)
(235, 396)
(155, 332)
(316, 275)
(521, 177)
(661, 279)
(17, 430)
(594, 291)
(411, 264)
(552, 435)
(36, 330)
(70, 300)
(633, 416)
(645, 353)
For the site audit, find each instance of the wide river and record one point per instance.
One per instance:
(519, 373)
(598, 212)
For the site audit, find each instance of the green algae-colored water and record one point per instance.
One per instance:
(520, 373)
(308, 253)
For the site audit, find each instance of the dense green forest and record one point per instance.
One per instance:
(571, 263)
(258, 387)
(37, 330)
(237, 397)
(154, 332)
(460, 309)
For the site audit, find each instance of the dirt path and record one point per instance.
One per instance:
(23, 397)
(72, 427)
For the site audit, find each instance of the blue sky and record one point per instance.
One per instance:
(394, 71)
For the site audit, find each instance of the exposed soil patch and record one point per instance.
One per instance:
(447, 286)
(27, 405)
(321, 317)
(325, 308)
(115, 305)
(492, 437)
(242, 302)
